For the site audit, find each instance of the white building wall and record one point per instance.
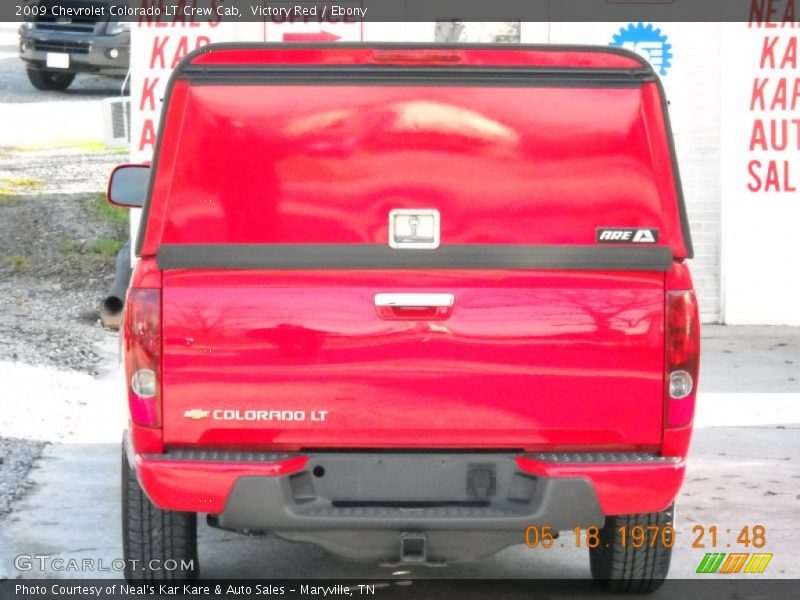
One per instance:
(692, 85)
(695, 109)
(761, 249)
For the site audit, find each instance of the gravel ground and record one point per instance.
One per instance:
(55, 267)
(16, 458)
(55, 255)
(54, 264)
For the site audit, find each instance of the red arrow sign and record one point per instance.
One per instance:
(317, 36)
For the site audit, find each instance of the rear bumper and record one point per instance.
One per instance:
(625, 483)
(375, 506)
(408, 492)
(429, 490)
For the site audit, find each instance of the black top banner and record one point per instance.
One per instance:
(760, 13)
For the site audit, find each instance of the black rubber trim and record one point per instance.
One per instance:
(388, 75)
(603, 458)
(553, 48)
(190, 455)
(379, 256)
(687, 233)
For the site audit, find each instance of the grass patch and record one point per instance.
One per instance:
(105, 248)
(18, 262)
(90, 254)
(12, 187)
(113, 215)
(92, 146)
(85, 145)
(68, 246)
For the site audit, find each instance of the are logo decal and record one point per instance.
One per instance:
(626, 235)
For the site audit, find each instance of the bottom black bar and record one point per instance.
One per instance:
(389, 588)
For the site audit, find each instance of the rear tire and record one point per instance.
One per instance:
(152, 538)
(619, 568)
(49, 80)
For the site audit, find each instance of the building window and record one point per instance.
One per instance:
(455, 31)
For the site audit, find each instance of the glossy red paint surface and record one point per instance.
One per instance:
(526, 360)
(202, 486)
(145, 440)
(146, 274)
(326, 164)
(676, 441)
(622, 489)
(679, 277)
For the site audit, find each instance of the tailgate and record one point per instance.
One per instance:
(304, 360)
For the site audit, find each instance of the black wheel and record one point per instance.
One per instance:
(50, 80)
(158, 545)
(624, 568)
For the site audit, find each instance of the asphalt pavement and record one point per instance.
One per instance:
(32, 117)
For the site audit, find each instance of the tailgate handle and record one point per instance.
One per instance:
(418, 306)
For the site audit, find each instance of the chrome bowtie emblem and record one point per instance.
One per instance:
(196, 413)
(414, 228)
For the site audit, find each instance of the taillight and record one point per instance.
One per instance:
(682, 357)
(143, 355)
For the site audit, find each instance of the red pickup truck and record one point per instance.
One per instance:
(411, 303)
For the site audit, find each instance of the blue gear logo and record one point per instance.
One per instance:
(648, 42)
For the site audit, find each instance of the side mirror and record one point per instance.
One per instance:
(127, 186)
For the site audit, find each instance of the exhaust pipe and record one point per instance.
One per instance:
(115, 300)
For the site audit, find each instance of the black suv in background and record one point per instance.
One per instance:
(56, 48)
